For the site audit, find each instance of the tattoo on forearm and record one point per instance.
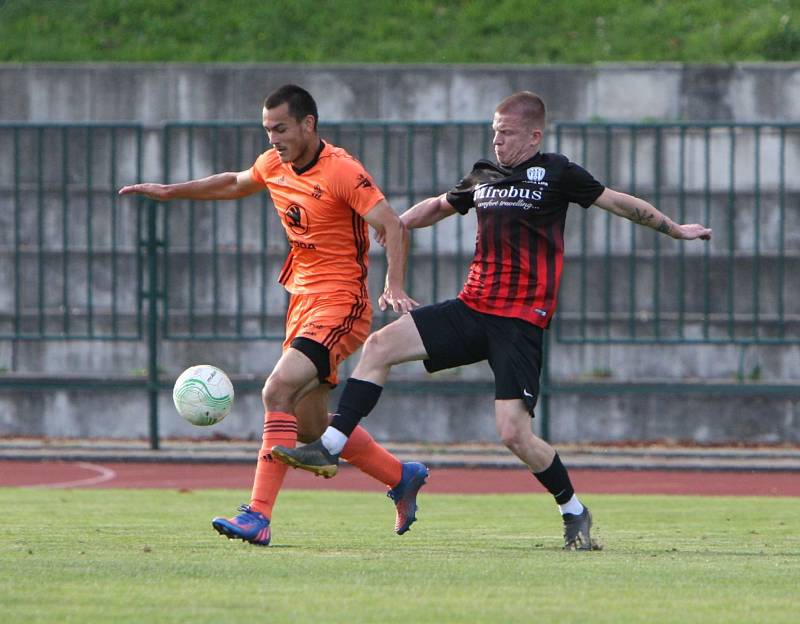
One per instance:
(642, 216)
(645, 217)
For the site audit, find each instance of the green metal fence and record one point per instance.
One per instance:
(69, 245)
(632, 285)
(81, 263)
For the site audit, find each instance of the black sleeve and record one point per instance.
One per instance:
(580, 186)
(460, 196)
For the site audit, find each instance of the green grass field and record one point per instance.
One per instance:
(413, 31)
(150, 556)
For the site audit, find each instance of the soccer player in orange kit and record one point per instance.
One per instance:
(326, 200)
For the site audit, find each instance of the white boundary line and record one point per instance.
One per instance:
(104, 474)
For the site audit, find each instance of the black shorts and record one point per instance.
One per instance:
(454, 335)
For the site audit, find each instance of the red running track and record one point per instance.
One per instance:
(56, 474)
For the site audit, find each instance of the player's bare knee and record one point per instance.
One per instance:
(277, 395)
(377, 350)
(513, 437)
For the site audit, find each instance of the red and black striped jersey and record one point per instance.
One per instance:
(519, 246)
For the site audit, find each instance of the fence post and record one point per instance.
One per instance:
(152, 294)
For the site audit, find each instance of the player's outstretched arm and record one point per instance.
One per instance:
(641, 212)
(229, 185)
(427, 212)
(394, 238)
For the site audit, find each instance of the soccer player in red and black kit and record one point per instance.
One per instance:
(508, 299)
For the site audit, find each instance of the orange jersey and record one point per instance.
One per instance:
(322, 212)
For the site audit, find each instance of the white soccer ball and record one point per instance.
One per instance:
(203, 395)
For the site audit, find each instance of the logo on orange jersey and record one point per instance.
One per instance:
(363, 181)
(296, 219)
(301, 244)
(317, 193)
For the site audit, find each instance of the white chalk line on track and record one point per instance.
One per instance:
(103, 475)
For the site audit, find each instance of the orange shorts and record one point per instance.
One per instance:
(339, 321)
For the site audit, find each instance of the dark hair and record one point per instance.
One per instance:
(300, 102)
(526, 104)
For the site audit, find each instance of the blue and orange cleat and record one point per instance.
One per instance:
(404, 495)
(250, 526)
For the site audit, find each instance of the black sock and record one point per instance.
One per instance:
(556, 480)
(358, 399)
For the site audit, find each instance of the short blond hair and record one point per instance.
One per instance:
(526, 104)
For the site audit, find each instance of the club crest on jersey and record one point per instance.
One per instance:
(296, 219)
(535, 174)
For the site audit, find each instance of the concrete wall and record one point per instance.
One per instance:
(720, 417)
(152, 93)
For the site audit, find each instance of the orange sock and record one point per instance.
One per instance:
(279, 428)
(363, 452)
